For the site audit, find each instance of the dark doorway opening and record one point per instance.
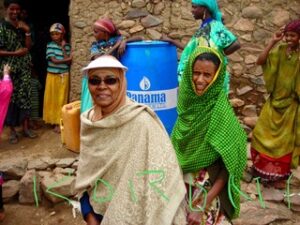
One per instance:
(41, 15)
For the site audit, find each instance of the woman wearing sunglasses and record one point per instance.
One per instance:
(128, 172)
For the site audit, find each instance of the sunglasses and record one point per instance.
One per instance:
(107, 81)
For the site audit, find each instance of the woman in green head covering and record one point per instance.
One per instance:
(211, 32)
(208, 139)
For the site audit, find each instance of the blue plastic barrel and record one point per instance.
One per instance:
(152, 77)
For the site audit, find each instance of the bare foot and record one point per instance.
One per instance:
(279, 184)
(56, 129)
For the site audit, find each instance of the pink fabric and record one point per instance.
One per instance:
(293, 26)
(6, 89)
(1, 180)
(107, 25)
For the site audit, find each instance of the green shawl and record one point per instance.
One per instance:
(207, 128)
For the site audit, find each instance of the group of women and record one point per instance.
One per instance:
(131, 173)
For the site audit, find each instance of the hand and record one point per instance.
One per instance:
(122, 47)
(194, 218)
(91, 219)
(21, 51)
(278, 35)
(63, 43)
(22, 25)
(6, 69)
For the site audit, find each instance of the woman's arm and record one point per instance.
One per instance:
(123, 43)
(116, 45)
(232, 48)
(262, 58)
(220, 180)
(67, 57)
(22, 25)
(218, 185)
(18, 52)
(135, 38)
(66, 60)
(177, 43)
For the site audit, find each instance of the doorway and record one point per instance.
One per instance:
(41, 15)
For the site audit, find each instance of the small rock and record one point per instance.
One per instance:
(243, 90)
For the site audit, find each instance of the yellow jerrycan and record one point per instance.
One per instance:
(70, 126)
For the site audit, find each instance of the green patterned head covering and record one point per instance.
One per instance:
(212, 6)
(207, 128)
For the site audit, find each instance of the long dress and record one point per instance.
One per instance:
(12, 39)
(276, 136)
(211, 33)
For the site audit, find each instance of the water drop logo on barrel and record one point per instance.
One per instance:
(145, 84)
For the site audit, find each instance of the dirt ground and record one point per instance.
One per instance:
(47, 144)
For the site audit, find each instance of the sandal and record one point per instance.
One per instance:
(13, 138)
(29, 133)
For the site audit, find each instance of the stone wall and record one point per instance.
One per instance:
(253, 21)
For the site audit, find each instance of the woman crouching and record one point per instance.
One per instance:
(209, 141)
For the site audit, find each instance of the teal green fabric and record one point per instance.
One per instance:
(212, 6)
(207, 128)
(214, 35)
(86, 98)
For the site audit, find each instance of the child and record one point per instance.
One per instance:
(209, 141)
(276, 136)
(6, 89)
(108, 41)
(58, 55)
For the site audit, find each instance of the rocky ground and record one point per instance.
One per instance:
(48, 161)
(46, 145)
